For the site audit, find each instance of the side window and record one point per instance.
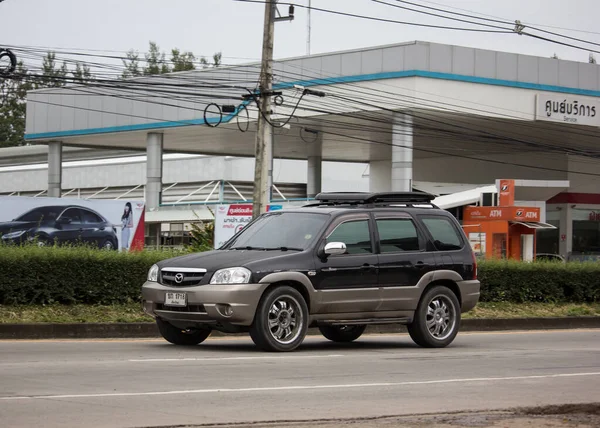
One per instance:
(445, 236)
(90, 217)
(355, 234)
(74, 214)
(397, 235)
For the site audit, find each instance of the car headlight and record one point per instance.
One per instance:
(153, 274)
(13, 235)
(237, 275)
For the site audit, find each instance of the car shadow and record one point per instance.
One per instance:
(242, 345)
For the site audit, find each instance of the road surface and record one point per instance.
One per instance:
(148, 383)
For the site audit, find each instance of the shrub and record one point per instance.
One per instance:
(549, 282)
(32, 275)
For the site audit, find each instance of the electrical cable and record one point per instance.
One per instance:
(373, 18)
(12, 62)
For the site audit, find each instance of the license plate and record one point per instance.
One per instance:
(175, 299)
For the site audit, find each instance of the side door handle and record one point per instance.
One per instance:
(421, 265)
(367, 266)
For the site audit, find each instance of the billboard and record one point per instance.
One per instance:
(230, 219)
(110, 224)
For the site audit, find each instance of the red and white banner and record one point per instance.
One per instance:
(105, 223)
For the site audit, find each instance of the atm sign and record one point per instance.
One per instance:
(502, 213)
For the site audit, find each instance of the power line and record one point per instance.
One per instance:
(373, 18)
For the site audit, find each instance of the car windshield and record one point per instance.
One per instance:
(40, 214)
(282, 230)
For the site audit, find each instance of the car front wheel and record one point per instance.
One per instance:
(342, 333)
(280, 322)
(181, 337)
(437, 318)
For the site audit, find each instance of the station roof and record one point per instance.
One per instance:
(457, 97)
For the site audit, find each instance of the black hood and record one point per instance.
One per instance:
(14, 226)
(220, 259)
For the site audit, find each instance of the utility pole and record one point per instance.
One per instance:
(308, 29)
(263, 171)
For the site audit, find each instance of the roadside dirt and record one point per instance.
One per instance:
(564, 416)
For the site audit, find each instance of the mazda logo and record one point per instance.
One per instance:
(179, 278)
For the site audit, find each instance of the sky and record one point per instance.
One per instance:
(235, 28)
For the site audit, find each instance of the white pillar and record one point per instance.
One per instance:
(54, 169)
(314, 173)
(154, 169)
(566, 228)
(402, 153)
(380, 174)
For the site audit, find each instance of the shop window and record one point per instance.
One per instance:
(548, 240)
(586, 237)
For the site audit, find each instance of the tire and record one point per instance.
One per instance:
(342, 333)
(436, 324)
(180, 337)
(281, 320)
(108, 244)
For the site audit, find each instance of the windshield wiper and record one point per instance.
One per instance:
(249, 248)
(285, 249)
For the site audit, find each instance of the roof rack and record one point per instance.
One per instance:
(370, 198)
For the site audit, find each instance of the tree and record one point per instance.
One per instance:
(132, 65)
(82, 73)
(202, 237)
(52, 76)
(182, 62)
(155, 61)
(13, 91)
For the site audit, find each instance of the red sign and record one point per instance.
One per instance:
(507, 193)
(502, 213)
(594, 216)
(240, 210)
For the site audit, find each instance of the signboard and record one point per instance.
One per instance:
(111, 224)
(530, 214)
(230, 219)
(507, 193)
(567, 109)
(477, 241)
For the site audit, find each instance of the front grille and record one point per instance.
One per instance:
(184, 278)
(189, 308)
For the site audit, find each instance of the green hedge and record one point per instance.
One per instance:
(32, 275)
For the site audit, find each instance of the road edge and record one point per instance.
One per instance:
(149, 330)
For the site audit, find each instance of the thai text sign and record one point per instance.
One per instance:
(567, 109)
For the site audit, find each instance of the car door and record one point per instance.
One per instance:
(403, 260)
(347, 283)
(448, 241)
(93, 228)
(70, 226)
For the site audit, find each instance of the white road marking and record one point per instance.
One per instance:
(299, 387)
(291, 357)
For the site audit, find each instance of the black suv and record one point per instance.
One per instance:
(340, 264)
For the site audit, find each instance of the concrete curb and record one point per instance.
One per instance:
(149, 330)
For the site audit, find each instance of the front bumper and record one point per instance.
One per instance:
(205, 303)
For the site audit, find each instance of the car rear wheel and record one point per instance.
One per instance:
(342, 333)
(281, 320)
(181, 337)
(108, 245)
(437, 318)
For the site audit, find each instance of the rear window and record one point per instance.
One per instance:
(397, 235)
(443, 232)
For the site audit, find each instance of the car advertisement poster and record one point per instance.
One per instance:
(110, 224)
(230, 219)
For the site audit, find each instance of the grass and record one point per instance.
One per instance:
(133, 313)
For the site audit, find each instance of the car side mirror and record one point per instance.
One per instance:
(335, 249)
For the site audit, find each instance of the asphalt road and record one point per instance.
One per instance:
(143, 383)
